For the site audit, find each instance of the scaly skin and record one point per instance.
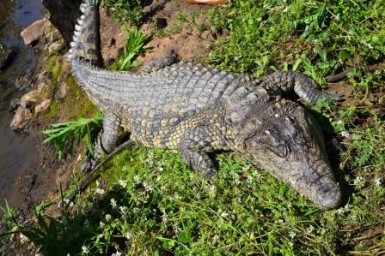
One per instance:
(198, 110)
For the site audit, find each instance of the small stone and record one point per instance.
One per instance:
(61, 93)
(208, 35)
(33, 32)
(42, 86)
(43, 106)
(55, 47)
(14, 104)
(22, 82)
(45, 77)
(29, 98)
(21, 118)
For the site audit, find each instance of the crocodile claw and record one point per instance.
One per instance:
(90, 163)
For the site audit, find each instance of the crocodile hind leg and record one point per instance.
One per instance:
(106, 141)
(157, 64)
(305, 87)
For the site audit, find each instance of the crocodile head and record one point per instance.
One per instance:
(287, 141)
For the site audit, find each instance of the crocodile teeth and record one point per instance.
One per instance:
(76, 33)
(73, 44)
(78, 27)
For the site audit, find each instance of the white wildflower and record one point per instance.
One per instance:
(85, 249)
(113, 203)
(147, 187)
(358, 180)
(292, 234)
(137, 179)
(100, 191)
(310, 229)
(123, 210)
(135, 210)
(108, 217)
(224, 214)
(117, 253)
(128, 235)
(377, 181)
(345, 134)
(101, 224)
(122, 183)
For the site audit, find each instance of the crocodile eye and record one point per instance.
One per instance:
(274, 142)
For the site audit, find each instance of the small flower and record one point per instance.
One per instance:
(310, 229)
(147, 187)
(292, 234)
(224, 214)
(113, 203)
(136, 210)
(122, 183)
(377, 181)
(123, 210)
(108, 217)
(101, 224)
(100, 191)
(85, 249)
(137, 179)
(128, 235)
(117, 253)
(246, 168)
(345, 134)
(358, 180)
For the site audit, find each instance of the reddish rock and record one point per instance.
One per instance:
(21, 118)
(33, 32)
(29, 98)
(43, 106)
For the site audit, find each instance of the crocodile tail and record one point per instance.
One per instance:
(85, 45)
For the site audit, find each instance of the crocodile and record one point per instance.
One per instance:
(200, 110)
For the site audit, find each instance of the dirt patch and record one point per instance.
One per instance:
(172, 25)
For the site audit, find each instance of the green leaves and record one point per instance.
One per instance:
(65, 135)
(134, 46)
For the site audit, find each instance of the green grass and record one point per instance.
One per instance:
(150, 203)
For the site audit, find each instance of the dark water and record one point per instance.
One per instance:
(17, 151)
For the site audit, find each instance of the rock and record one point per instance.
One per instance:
(62, 91)
(23, 82)
(208, 35)
(14, 104)
(29, 98)
(21, 118)
(43, 106)
(45, 77)
(55, 47)
(33, 32)
(42, 86)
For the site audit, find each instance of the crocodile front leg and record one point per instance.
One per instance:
(105, 142)
(305, 87)
(194, 148)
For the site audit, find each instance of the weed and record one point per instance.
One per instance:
(134, 46)
(64, 135)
